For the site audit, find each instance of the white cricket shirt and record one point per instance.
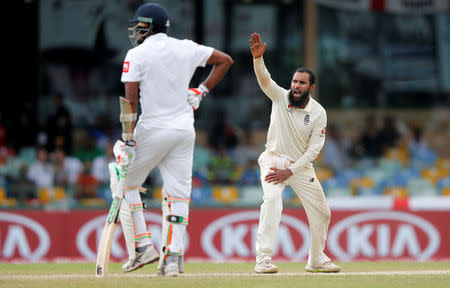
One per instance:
(164, 66)
(294, 133)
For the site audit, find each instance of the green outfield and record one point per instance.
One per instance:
(216, 275)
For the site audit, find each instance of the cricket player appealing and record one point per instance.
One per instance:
(161, 67)
(295, 137)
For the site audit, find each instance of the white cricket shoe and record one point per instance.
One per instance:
(149, 255)
(327, 267)
(266, 266)
(171, 269)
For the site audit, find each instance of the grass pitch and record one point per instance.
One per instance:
(217, 275)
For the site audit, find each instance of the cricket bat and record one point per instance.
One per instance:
(127, 118)
(104, 248)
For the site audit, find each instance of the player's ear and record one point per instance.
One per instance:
(312, 87)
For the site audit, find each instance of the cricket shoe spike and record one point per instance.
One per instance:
(148, 256)
(327, 267)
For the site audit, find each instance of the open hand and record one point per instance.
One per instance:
(277, 175)
(256, 45)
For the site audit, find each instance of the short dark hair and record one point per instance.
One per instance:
(312, 77)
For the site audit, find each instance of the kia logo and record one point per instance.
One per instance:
(15, 237)
(233, 237)
(384, 234)
(95, 226)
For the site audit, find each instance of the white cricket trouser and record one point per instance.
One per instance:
(172, 151)
(312, 197)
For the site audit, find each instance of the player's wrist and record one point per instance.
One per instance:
(203, 89)
(130, 143)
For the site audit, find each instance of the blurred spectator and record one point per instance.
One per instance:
(417, 143)
(100, 169)
(222, 133)
(389, 134)
(99, 130)
(59, 126)
(246, 151)
(5, 150)
(88, 149)
(87, 184)
(250, 174)
(42, 134)
(221, 168)
(41, 172)
(202, 157)
(67, 169)
(23, 134)
(335, 150)
(370, 144)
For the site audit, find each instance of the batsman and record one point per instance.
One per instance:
(159, 69)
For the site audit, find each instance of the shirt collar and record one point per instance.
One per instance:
(156, 36)
(308, 106)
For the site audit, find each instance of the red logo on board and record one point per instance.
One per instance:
(126, 66)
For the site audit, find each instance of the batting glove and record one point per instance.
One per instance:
(114, 180)
(123, 153)
(196, 95)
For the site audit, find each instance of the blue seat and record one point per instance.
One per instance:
(347, 175)
(423, 158)
(250, 177)
(334, 182)
(369, 191)
(408, 173)
(390, 166)
(443, 183)
(377, 175)
(201, 195)
(396, 181)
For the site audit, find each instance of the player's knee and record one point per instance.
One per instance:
(326, 214)
(272, 198)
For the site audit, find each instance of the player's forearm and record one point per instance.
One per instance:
(304, 160)
(131, 93)
(218, 72)
(261, 72)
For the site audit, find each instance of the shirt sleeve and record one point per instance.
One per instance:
(268, 86)
(201, 53)
(316, 141)
(131, 71)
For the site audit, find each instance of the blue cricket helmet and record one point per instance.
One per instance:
(152, 13)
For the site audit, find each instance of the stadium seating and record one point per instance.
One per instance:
(225, 194)
(434, 174)
(250, 195)
(421, 187)
(201, 195)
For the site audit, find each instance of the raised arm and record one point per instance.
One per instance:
(269, 87)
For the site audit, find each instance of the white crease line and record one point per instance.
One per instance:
(86, 276)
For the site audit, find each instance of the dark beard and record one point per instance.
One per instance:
(298, 103)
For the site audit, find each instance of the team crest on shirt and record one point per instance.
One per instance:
(322, 133)
(126, 67)
(289, 108)
(307, 118)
